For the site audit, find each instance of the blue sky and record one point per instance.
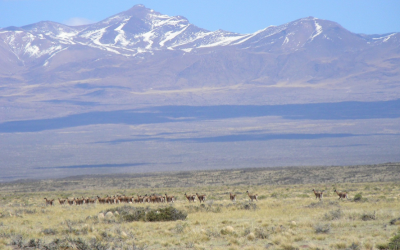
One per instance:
(244, 16)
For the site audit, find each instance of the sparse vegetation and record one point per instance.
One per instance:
(292, 219)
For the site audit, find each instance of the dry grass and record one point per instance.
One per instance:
(285, 217)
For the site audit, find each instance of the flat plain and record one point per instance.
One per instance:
(287, 214)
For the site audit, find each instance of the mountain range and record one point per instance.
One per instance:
(142, 57)
(141, 91)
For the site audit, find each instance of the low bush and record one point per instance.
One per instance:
(394, 243)
(395, 221)
(261, 233)
(382, 246)
(129, 214)
(333, 215)
(366, 217)
(166, 214)
(319, 229)
(359, 198)
(354, 246)
(49, 231)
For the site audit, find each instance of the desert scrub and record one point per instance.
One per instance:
(129, 214)
(319, 228)
(394, 243)
(333, 215)
(368, 216)
(359, 198)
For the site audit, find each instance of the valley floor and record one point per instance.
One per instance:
(286, 216)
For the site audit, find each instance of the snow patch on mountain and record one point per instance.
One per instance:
(317, 32)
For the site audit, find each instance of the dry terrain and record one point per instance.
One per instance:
(287, 214)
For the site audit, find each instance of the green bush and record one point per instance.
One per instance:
(166, 214)
(358, 197)
(129, 214)
(333, 215)
(394, 243)
(382, 246)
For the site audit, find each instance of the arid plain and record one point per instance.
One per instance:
(287, 214)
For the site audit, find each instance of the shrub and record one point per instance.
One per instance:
(210, 233)
(49, 231)
(382, 246)
(333, 215)
(129, 214)
(261, 233)
(359, 198)
(395, 221)
(394, 243)
(366, 217)
(35, 243)
(274, 195)
(322, 228)
(166, 214)
(227, 230)
(354, 246)
(180, 227)
(17, 240)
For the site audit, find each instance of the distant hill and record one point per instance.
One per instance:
(142, 52)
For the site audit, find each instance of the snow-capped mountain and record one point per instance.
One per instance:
(141, 50)
(140, 30)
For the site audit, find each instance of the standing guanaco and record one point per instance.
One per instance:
(49, 202)
(232, 197)
(169, 198)
(252, 196)
(342, 195)
(190, 197)
(318, 195)
(202, 197)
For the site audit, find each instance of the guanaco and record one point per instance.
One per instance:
(232, 197)
(318, 195)
(70, 202)
(341, 195)
(169, 198)
(49, 202)
(202, 197)
(62, 202)
(252, 196)
(190, 197)
(146, 198)
(101, 200)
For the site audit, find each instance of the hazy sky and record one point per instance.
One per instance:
(244, 16)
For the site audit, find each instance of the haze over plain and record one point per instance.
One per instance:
(144, 91)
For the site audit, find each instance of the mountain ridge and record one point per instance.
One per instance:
(154, 59)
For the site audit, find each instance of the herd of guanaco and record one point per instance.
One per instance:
(318, 195)
(161, 199)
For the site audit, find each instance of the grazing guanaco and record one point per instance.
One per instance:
(190, 197)
(146, 198)
(342, 195)
(169, 198)
(79, 201)
(70, 202)
(318, 195)
(202, 197)
(252, 196)
(101, 200)
(49, 202)
(91, 201)
(62, 202)
(232, 197)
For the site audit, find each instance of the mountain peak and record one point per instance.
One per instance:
(138, 8)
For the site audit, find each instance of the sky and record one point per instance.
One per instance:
(241, 16)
